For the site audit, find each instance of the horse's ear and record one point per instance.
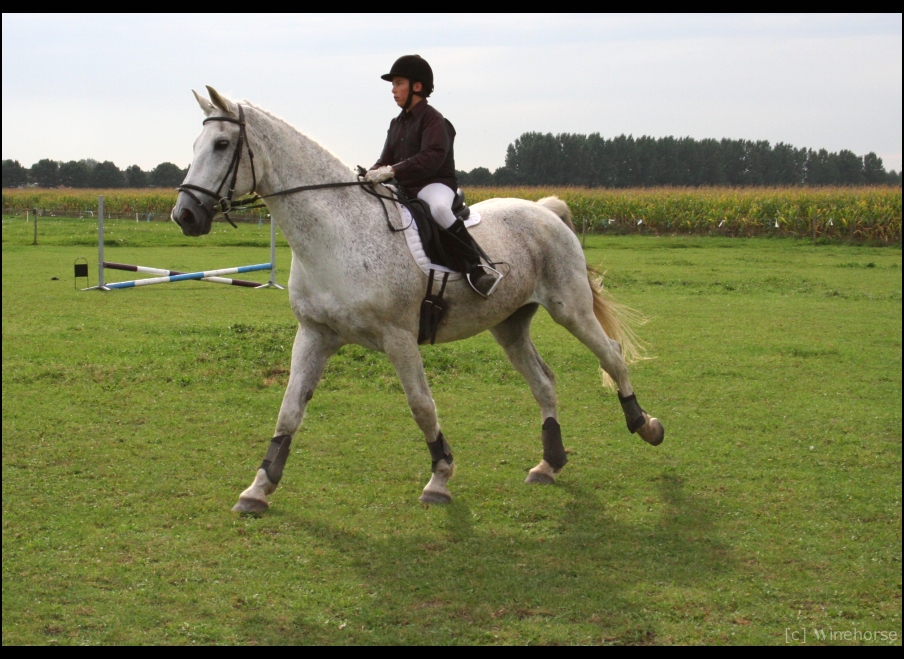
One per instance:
(206, 106)
(222, 102)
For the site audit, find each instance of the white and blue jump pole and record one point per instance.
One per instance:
(209, 275)
(167, 276)
(109, 265)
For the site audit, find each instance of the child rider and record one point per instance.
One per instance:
(418, 153)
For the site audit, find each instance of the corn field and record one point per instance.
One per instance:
(119, 201)
(858, 214)
(864, 214)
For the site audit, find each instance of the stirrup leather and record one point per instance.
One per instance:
(490, 271)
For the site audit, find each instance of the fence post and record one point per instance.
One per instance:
(100, 243)
(35, 240)
(272, 283)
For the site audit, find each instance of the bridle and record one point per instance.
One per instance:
(227, 204)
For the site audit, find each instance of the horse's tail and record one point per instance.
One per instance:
(617, 320)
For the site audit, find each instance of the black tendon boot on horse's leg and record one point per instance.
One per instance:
(443, 467)
(649, 428)
(483, 279)
(554, 457)
(254, 499)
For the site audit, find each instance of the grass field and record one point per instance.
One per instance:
(132, 419)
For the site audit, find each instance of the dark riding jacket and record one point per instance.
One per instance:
(419, 148)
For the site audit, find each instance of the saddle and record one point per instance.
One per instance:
(454, 249)
(451, 248)
(440, 245)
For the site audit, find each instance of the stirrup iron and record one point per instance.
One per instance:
(489, 271)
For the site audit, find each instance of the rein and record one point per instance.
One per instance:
(227, 204)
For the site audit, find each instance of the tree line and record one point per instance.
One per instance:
(627, 162)
(90, 174)
(564, 159)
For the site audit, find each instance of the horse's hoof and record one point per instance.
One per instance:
(542, 474)
(652, 432)
(435, 497)
(539, 478)
(249, 505)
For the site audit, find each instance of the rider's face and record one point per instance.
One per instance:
(400, 87)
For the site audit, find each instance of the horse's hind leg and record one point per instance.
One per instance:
(312, 348)
(402, 350)
(513, 334)
(575, 311)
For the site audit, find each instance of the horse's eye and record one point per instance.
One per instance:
(219, 145)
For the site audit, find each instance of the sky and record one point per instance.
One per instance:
(118, 87)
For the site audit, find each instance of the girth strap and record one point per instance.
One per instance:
(432, 310)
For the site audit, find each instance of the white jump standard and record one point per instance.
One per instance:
(168, 276)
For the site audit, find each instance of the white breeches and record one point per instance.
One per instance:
(440, 198)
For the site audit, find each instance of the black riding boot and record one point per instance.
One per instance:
(483, 279)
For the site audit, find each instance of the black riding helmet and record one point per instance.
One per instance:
(416, 69)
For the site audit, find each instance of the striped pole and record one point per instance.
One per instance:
(190, 275)
(167, 273)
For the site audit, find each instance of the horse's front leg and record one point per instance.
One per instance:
(313, 346)
(402, 350)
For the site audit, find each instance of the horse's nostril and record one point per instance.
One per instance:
(187, 217)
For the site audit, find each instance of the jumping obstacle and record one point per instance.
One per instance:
(109, 265)
(210, 275)
(168, 276)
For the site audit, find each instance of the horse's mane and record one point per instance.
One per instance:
(285, 125)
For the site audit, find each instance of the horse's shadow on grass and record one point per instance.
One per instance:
(592, 571)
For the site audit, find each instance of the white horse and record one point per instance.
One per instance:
(354, 281)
